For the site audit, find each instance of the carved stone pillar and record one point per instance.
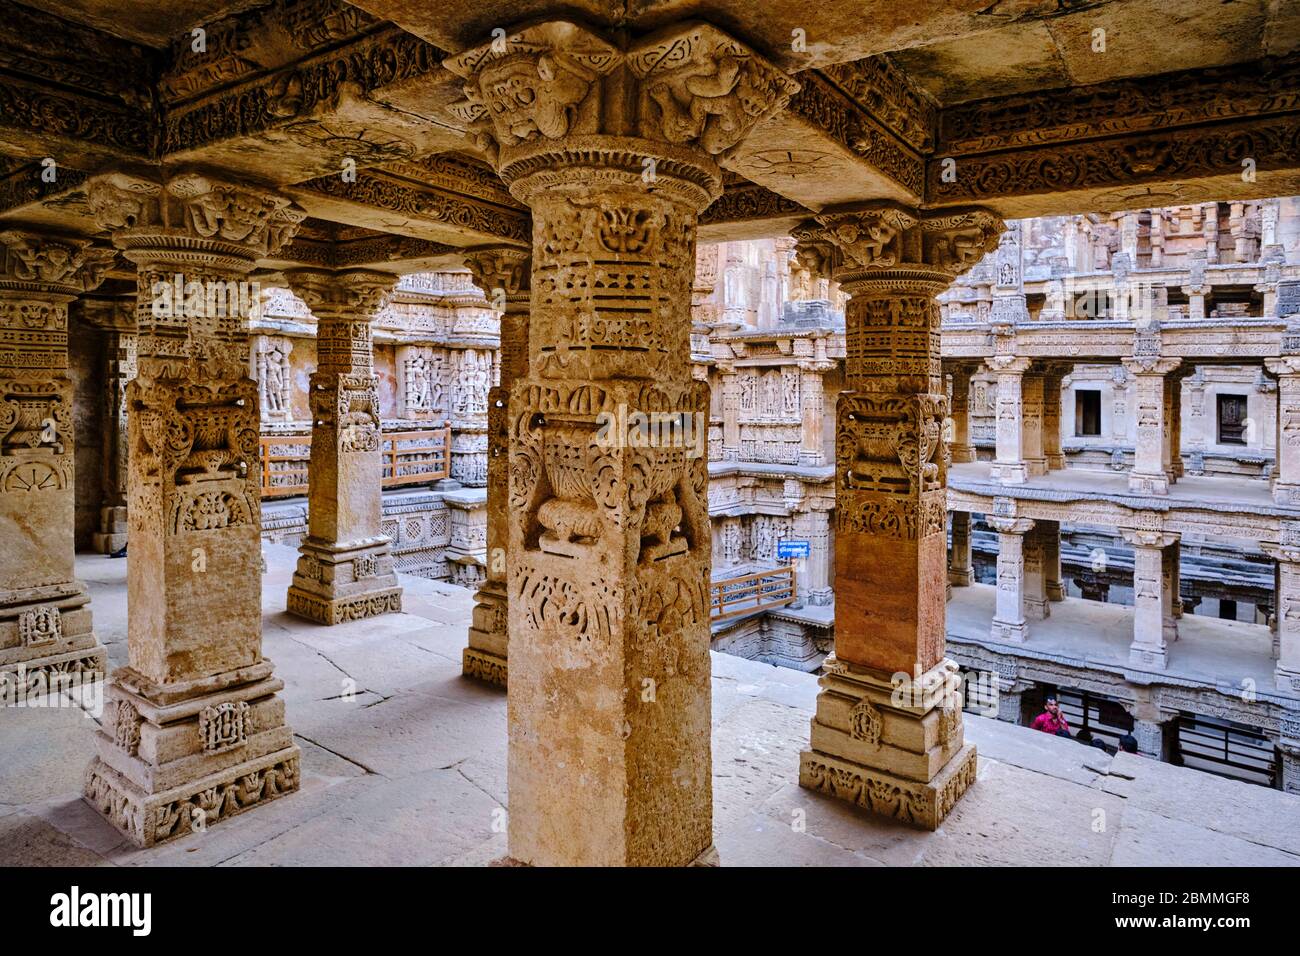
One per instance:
(1150, 473)
(609, 537)
(1035, 578)
(1009, 611)
(1286, 473)
(1009, 466)
(46, 633)
(961, 446)
(814, 579)
(897, 754)
(113, 522)
(960, 572)
(1196, 287)
(1050, 533)
(194, 730)
(1152, 610)
(504, 273)
(345, 566)
(1172, 445)
(730, 413)
(1287, 608)
(1052, 454)
(1173, 572)
(812, 401)
(1031, 417)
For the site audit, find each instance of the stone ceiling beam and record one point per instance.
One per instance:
(1167, 140)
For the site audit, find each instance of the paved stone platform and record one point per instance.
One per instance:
(404, 764)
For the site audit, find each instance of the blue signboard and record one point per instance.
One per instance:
(791, 549)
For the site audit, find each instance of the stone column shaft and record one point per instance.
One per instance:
(345, 568)
(1152, 610)
(608, 550)
(1031, 442)
(1009, 611)
(890, 541)
(1051, 539)
(120, 365)
(194, 731)
(1052, 454)
(1009, 466)
(1287, 609)
(46, 633)
(960, 571)
(503, 274)
(963, 450)
(1286, 473)
(1151, 398)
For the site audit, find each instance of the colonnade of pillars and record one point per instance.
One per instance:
(1029, 581)
(603, 581)
(1028, 416)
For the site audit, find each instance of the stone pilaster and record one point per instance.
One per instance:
(503, 273)
(813, 578)
(1009, 611)
(1053, 457)
(1150, 735)
(1287, 608)
(46, 633)
(609, 538)
(345, 565)
(1051, 541)
(1286, 473)
(1009, 466)
(1150, 473)
(1152, 607)
(901, 754)
(961, 446)
(960, 571)
(812, 401)
(1031, 420)
(194, 729)
(1037, 604)
(113, 522)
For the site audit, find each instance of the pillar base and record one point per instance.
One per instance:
(1035, 467)
(1009, 632)
(111, 535)
(1038, 610)
(962, 454)
(1055, 591)
(1143, 655)
(46, 635)
(961, 579)
(333, 584)
(1009, 473)
(923, 805)
(484, 666)
(1148, 484)
(893, 751)
(1288, 681)
(175, 759)
(485, 657)
(1056, 462)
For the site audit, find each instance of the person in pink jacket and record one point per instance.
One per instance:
(1051, 720)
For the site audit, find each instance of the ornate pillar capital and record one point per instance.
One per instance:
(1006, 525)
(350, 294)
(217, 226)
(502, 270)
(553, 97)
(45, 264)
(1009, 364)
(1143, 538)
(1148, 365)
(890, 243)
